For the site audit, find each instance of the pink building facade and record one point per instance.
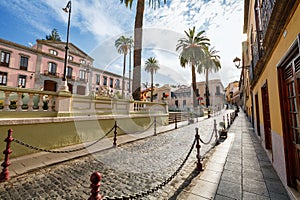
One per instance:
(42, 67)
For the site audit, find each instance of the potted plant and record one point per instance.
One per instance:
(223, 131)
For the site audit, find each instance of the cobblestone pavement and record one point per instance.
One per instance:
(126, 170)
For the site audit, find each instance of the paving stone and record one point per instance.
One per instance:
(229, 189)
(232, 176)
(127, 170)
(252, 196)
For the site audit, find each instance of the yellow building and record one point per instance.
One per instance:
(271, 79)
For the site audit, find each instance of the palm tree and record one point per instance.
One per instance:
(138, 35)
(212, 63)
(151, 66)
(192, 52)
(123, 45)
(130, 48)
(53, 36)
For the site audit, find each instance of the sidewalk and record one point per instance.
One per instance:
(238, 169)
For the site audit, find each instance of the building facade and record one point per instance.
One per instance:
(271, 79)
(42, 67)
(181, 97)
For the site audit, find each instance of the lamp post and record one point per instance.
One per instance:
(237, 63)
(67, 9)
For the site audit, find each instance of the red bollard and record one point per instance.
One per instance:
(115, 135)
(5, 173)
(95, 179)
(199, 164)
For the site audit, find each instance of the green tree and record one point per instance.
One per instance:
(192, 52)
(151, 65)
(53, 36)
(210, 64)
(138, 36)
(123, 46)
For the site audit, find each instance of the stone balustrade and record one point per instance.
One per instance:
(64, 104)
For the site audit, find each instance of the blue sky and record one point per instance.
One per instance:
(96, 24)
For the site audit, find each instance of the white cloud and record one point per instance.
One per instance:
(106, 21)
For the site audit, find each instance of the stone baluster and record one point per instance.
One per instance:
(41, 103)
(30, 102)
(50, 102)
(19, 102)
(6, 101)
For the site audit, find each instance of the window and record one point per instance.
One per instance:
(117, 84)
(104, 80)
(3, 78)
(111, 82)
(218, 90)
(5, 57)
(97, 79)
(82, 75)
(69, 72)
(53, 52)
(52, 68)
(70, 57)
(22, 81)
(23, 63)
(82, 61)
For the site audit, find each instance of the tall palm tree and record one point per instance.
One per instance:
(192, 52)
(138, 35)
(123, 44)
(211, 63)
(129, 55)
(151, 65)
(53, 36)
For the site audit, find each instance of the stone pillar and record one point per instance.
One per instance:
(63, 104)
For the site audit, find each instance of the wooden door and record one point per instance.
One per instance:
(266, 116)
(257, 115)
(291, 105)
(50, 85)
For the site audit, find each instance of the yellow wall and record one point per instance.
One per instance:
(270, 73)
(60, 134)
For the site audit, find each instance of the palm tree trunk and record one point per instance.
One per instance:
(123, 78)
(151, 86)
(194, 86)
(206, 88)
(137, 55)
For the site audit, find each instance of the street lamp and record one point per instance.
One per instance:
(67, 9)
(237, 63)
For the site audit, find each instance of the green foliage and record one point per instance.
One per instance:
(54, 36)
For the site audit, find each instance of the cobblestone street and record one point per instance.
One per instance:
(126, 170)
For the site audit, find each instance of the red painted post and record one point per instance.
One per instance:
(5, 173)
(199, 164)
(115, 134)
(95, 179)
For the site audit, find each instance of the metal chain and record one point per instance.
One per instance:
(61, 151)
(212, 134)
(137, 131)
(159, 186)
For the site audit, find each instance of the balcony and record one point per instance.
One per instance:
(266, 11)
(52, 74)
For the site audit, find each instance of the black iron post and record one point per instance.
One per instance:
(67, 9)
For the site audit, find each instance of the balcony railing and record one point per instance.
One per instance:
(266, 11)
(19, 99)
(53, 74)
